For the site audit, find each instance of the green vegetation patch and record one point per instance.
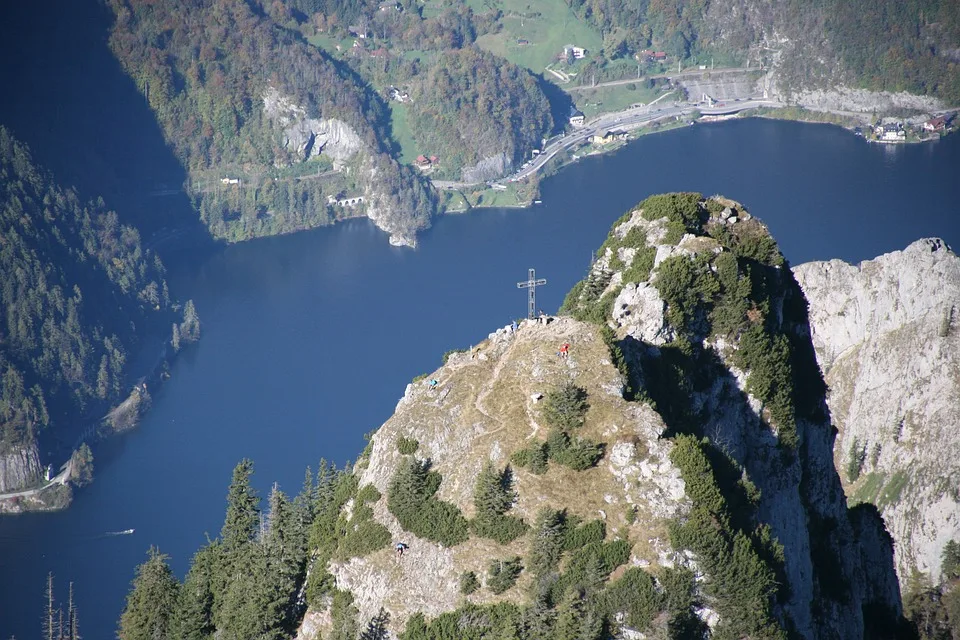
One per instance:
(546, 26)
(565, 407)
(468, 582)
(411, 500)
(401, 133)
(890, 495)
(493, 496)
(742, 581)
(362, 534)
(407, 446)
(503, 574)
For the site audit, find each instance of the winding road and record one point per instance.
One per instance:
(629, 119)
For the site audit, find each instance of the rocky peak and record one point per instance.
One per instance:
(886, 334)
(690, 344)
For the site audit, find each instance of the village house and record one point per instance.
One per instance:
(893, 132)
(608, 137)
(522, 41)
(935, 124)
(391, 6)
(357, 32)
(576, 117)
(424, 162)
(572, 51)
(397, 95)
(230, 180)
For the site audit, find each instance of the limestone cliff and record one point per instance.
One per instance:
(401, 207)
(20, 468)
(704, 466)
(887, 337)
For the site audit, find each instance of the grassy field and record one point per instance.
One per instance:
(616, 98)
(548, 25)
(329, 44)
(401, 133)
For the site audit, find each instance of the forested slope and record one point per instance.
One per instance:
(76, 287)
(205, 67)
(889, 45)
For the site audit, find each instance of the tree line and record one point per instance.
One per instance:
(77, 288)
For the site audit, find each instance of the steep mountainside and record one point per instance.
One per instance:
(655, 462)
(886, 334)
(891, 46)
(76, 287)
(705, 445)
(237, 94)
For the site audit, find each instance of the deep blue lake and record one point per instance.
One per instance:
(309, 340)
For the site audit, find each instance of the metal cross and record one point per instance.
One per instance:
(531, 284)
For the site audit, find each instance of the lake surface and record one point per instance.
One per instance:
(309, 340)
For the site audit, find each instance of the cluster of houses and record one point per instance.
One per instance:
(651, 56)
(894, 131)
(426, 163)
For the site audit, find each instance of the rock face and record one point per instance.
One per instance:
(19, 468)
(795, 494)
(487, 169)
(307, 137)
(853, 99)
(887, 337)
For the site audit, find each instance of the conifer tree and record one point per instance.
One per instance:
(243, 513)
(493, 494)
(151, 603)
(193, 619)
(547, 543)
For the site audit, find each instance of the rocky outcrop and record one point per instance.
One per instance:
(488, 168)
(863, 101)
(20, 468)
(390, 198)
(306, 137)
(887, 337)
(483, 409)
(836, 564)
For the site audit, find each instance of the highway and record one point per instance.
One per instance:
(629, 119)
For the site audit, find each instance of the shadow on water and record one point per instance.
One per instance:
(68, 98)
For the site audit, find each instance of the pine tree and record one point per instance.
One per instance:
(950, 562)
(190, 327)
(493, 494)
(547, 543)
(193, 618)
(72, 623)
(376, 629)
(152, 602)
(243, 513)
(50, 629)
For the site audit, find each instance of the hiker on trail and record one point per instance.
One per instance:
(564, 350)
(433, 383)
(541, 317)
(513, 327)
(401, 547)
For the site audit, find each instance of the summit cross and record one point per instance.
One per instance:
(531, 285)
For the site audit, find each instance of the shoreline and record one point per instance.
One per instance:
(816, 117)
